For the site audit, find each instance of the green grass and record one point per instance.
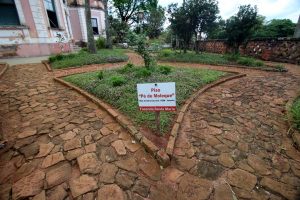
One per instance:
(213, 59)
(295, 113)
(84, 58)
(124, 96)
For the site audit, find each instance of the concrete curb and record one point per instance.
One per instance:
(186, 105)
(4, 69)
(47, 65)
(159, 154)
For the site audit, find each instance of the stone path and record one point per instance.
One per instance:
(233, 143)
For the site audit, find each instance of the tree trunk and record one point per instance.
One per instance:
(107, 26)
(90, 34)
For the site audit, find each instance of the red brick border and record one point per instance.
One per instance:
(47, 65)
(186, 105)
(4, 69)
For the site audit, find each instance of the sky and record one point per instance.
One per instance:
(271, 9)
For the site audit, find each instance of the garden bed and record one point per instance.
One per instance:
(218, 59)
(294, 121)
(118, 88)
(81, 58)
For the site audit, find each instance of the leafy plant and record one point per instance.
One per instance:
(165, 70)
(233, 57)
(127, 68)
(295, 111)
(117, 81)
(142, 73)
(57, 57)
(100, 43)
(100, 75)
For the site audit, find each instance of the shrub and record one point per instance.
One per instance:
(246, 61)
(259, 63)
(165, 70)
(57, 57)
(117, 81)
(280, 68)
(233, 57)
(84, 49)
(295, 111)
(100, 43)
(127, 68)
(165, 53)
(100, 75)
(142, 73)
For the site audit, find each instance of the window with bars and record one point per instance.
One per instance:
(9, 13)
(49, 5)
(95, 26)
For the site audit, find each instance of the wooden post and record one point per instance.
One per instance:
(157, 120)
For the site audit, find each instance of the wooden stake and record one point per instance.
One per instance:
(157, 120)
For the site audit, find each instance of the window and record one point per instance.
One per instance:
(49, 5)
(95, 26)
(9, 13)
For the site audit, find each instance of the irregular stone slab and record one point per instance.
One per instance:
(129, 164)
(107, 140)
(89, 163)
(209, 170)
(6, 172)
(5, 190)
(105, 131)
(150, 167)
(226, 160)
(119, 147)
(132, 147)
(29, 186)
(111, 192)
(73, 154)
(30, 150)
(45, 149)
(90, 148)
(162, 192)
(58, 193)
(53, 159)
(40, 196)
(125, 179)
(26, 169)
(281, 188)
(223, 192)
(108, 173)
(172, 175)
(194, 188)
(242, 179)
(74, 143)
(281, 163)
(68, 136)
(58, 174)
(82, 185)
(27, 133)
(185, 164)
(259, 165)
(141, 187)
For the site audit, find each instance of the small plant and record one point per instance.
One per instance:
(83, 50)
(57, 57)
(165, 53)
(142, 73)
(117, 81)
(280, 68)
(233, 57)
(165, 70)
(100, 75)
(295, 112)
(259, 63)
(127, 68)
(100, 43)
(246, 61)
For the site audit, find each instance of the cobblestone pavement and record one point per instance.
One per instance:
(61, 146)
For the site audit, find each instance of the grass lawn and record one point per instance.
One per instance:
(212, 59)
(295, 112)
(118, 88)
(85, 58)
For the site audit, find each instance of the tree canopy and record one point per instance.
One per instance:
(275, 28)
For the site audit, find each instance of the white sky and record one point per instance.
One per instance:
(272, 9)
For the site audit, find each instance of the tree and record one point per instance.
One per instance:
(118, 29)
(241, 26)
(155, 20)
(90, 34)
(126, 9)
(194, 17)
(107, 26)
(275, 28)
(217, 30)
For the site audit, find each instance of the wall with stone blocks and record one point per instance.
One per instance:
(281, 50)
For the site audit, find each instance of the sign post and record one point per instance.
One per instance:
(157, 97)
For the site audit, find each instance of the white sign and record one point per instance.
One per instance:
(157, 96)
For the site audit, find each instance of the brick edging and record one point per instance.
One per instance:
(4, 69)
(159, 154)
(47, 65)
(186, 105)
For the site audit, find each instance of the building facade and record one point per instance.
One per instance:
(44, 27)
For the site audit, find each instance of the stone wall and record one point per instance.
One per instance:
(281, 50)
